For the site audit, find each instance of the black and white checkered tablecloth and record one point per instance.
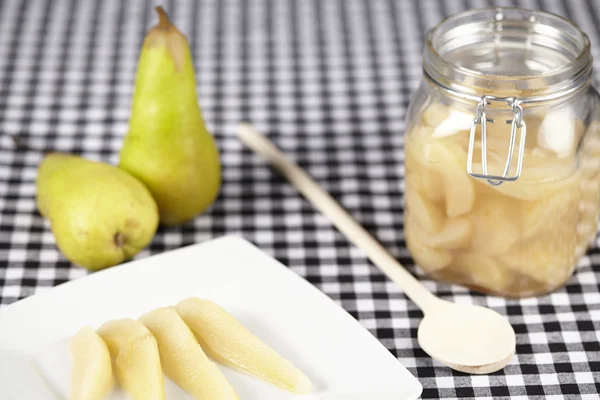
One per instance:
(329, 81)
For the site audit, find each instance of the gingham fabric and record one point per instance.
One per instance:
(329, 81)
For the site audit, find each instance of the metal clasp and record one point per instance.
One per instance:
(516, 123)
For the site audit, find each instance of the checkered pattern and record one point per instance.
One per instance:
(329, 81)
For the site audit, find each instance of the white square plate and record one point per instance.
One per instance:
(343, 360)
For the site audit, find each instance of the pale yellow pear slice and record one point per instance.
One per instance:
(227, 341)
(447, 121)
(428, 258)
(418, 173)
(483, 271)
(455, 234)
(557, 212)
(91, 376)
(450, 160)
(183, 359)
(435, 113)
(587, 220)
(135, 354)
(541, 177)
(496, 224)
(586, 229)
(547, 259)
(427, 213)
(428, 182)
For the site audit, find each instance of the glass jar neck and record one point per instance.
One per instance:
(508, 52)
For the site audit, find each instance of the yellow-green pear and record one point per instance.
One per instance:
(99, 214)
(168, 146)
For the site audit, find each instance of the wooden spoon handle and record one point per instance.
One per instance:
(340, 218)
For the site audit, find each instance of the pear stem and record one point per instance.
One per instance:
(163, 18)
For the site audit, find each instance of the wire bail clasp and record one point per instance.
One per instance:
(515, 123)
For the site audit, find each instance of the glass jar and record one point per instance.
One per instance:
(502, 152)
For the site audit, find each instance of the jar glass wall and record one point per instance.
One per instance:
(510, 71)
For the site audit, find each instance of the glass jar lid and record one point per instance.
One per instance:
(508, 52)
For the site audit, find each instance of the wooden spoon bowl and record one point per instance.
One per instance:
(467, 338)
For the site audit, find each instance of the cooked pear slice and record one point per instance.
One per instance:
(227, 341)
(457, 122)
(496, 224)
(435, 114)
(455, 234)
(427, 182)
(540, 181)
(450, 160)
(426, 257)
(427, 213)
(418, 173)
(137, 362)
(183, 359)
(483, 271)
(91, 376)
(557, 212)
(559, 132)
(548, 259)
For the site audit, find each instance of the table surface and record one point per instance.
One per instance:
(329, 81)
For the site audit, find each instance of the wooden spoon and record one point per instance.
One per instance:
(465, 337)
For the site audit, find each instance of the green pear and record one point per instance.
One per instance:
(99, 214)
(168, 146)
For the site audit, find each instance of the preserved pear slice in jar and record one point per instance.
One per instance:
(549, 259)
(590, 190)
(426, 213)
(496, 225)
(426, 182)
(434, 114)
(586, 230)
(418, 173)
(588, 207)
(590, 165)
(450, 160)
(482, 270)
(560, 131)
(455, 234)
(557, 211)
(543, 174)
(427, 257)
(591, 150)
(539, 183)
(446, 121)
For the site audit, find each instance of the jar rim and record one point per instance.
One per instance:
(473, 83)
